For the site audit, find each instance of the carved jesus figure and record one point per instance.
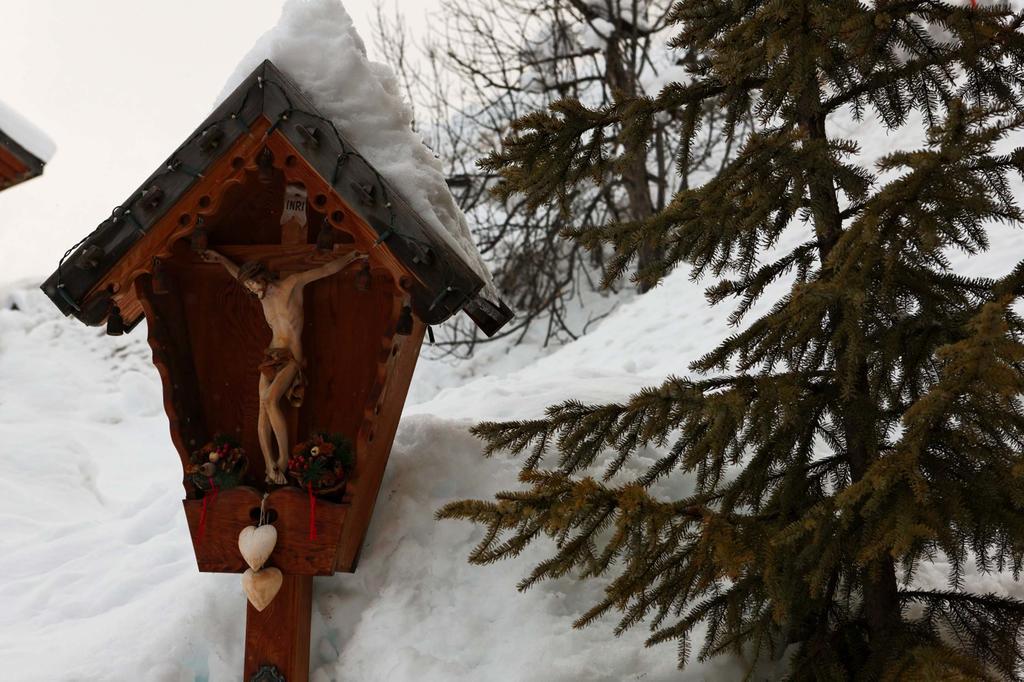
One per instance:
(281, 372)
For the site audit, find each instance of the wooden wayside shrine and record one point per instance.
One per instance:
(267, 178)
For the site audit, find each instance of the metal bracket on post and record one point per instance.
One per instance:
(267, 673)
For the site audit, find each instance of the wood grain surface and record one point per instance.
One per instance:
(279, 634)
(228, 512)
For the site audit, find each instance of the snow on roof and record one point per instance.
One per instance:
(18, 128)
(316, 44)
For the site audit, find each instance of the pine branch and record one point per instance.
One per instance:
(870, 420)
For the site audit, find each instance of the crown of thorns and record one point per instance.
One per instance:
(255, 270)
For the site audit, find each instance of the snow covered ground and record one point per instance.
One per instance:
(99, 582)
(98, 577)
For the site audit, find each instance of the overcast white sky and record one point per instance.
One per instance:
(118, 85)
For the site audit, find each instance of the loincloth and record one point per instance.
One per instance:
(275, 360)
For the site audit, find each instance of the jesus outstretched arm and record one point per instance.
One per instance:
(328, 269)
(211, 256)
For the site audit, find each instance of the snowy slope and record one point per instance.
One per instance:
(99, 581)
(97, 559)
(96, 542)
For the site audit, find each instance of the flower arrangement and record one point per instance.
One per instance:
(220, 463)
(322, 463)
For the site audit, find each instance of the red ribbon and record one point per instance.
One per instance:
(312, 512)
(211, 496)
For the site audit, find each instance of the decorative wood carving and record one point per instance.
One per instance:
(208, 332)
(256, 544)
(221, 196)
(230, 511)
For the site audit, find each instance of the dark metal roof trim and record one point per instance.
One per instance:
(449, 284)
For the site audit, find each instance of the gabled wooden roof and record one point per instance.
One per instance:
(17, 164)
(267, 105)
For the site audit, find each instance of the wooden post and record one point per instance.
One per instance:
(279, 635)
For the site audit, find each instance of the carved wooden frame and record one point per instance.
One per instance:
(131, 283)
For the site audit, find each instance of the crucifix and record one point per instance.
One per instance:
(282, 372)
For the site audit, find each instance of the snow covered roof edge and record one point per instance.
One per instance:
(25, 134)
(449, 283)
(31, 165)
(29, 147)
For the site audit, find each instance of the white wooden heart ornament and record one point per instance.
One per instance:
(261, 586)
(256, 544)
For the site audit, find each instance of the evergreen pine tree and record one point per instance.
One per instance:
(869, 423)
